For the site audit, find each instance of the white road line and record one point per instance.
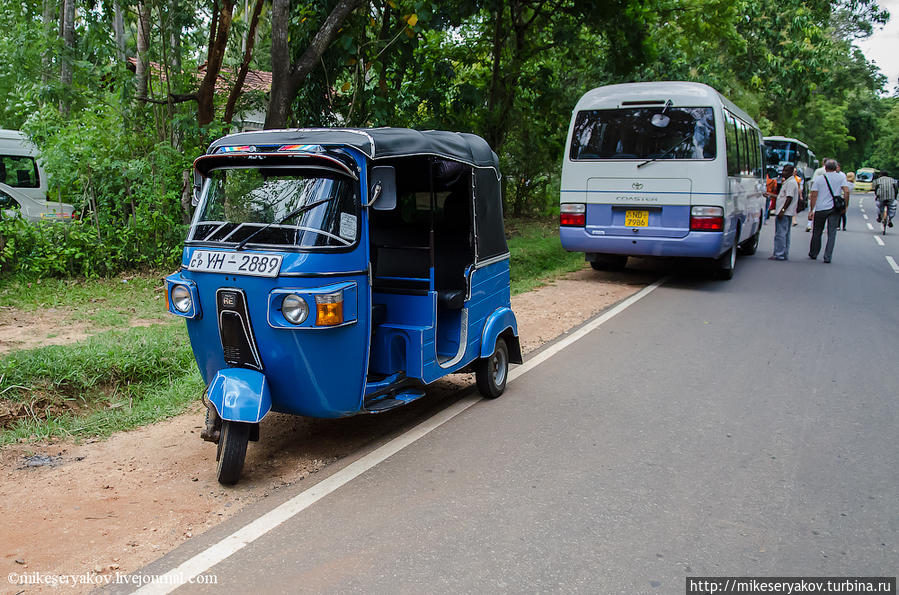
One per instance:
(893, 264)
(878, 240)
(871, 227)
(255, 529)
(865, 216)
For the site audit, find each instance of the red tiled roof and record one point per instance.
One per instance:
(256, 80)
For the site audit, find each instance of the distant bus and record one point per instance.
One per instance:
(864, 179)
(780, 150)
(661, 169)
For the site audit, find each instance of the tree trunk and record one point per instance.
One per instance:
(494, 92)
(278, 103)
(285, 88)
(142, 68)
(118, 28)
(47, 18)
(206, 94)
(68, 39)
(175, 27)
(245, 65)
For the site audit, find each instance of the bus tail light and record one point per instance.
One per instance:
(706, 219)
(573, 215)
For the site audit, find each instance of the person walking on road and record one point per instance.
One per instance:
(827, 187)
(885, 192)
(785, 210)
(850, 179)
(811, 210)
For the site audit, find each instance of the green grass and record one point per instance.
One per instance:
(99, 302)
(114, 381)
(537, 253)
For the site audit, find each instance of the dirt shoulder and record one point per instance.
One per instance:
(115, 505)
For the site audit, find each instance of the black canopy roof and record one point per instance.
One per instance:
(387, 143)
(376, 143)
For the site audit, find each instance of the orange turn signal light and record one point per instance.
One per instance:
(329, 309)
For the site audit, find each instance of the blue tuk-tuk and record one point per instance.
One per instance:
(333, 272)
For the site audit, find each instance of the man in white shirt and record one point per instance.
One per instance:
(818, 173)
(824, 189)
(785, 209)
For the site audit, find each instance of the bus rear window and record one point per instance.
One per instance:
(644, 133)
(19, 171)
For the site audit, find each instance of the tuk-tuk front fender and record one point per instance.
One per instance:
(239, 394)
(501, 323)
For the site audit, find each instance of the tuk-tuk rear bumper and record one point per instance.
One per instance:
(240, 394)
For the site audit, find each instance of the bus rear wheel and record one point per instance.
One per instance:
(749, 247)
(726, 264)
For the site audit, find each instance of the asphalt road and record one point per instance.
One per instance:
(713, 428)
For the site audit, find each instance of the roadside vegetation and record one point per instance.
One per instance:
(98, 303)
(113, 381)
(537, 253)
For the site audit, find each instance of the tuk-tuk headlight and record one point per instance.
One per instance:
(329, 309)
(294, 309)
(181, 299)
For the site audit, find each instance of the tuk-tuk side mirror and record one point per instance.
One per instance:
(198, 188)
(382, 190)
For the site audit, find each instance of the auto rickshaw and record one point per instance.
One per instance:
(335, 272)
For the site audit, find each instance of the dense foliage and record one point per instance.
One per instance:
(121, 95)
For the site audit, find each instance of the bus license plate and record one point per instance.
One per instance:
(636, 218)
(236, 263)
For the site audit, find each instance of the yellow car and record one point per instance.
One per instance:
(864, 179)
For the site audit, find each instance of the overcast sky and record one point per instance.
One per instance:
(883, 47)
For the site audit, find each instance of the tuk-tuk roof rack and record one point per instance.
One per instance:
(377, 143)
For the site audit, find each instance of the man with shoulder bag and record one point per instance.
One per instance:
(829, 199)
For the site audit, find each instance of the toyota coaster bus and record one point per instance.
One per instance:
(667, 169)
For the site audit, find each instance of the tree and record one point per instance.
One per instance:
(219, 27)
(287, 76)
(249, 43)
(886, 147)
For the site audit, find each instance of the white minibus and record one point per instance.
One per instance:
(667, 169)
(23, 183)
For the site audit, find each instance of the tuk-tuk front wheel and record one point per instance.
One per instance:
(491, 372)
(232, 450)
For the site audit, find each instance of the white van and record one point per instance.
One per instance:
(661, 169)
(23, 183)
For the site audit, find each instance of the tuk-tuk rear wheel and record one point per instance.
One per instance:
(232, 450)
(492, 372)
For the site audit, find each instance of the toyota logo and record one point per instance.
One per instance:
(637, 186)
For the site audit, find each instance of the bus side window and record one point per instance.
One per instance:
(730, 137)
(745, 160)
(758, 143)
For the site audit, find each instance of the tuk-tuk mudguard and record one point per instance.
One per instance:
(239, 394)
(502, 320)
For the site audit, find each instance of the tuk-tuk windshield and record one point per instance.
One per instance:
(278, 207)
